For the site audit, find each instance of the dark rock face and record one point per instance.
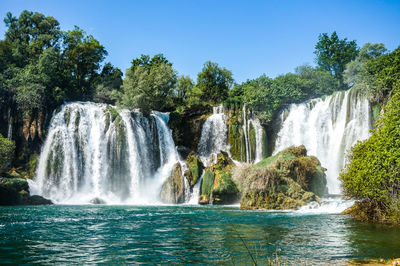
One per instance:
(287, 180)
(187, 124)
(15, 191)
(217, 185)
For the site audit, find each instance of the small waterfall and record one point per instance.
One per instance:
(245, 127)
(10, 122)
(214, 136)
(328, 128)
(259, 139)
(93, 151)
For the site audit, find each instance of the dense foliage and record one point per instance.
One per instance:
(373, 171)
(148, 84)
(6, 153)
(333, 54)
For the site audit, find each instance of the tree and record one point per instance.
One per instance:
(6, 153)
(30, 34)
(148, 86)
(333, 54)
(367, 52)
(83, 55)
(107, 84)
(214, 82)
(183, 87)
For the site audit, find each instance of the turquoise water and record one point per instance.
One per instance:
(186, 234)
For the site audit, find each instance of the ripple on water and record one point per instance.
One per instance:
(185, 234)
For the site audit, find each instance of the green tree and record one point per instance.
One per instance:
(214, 83)
(367, 52)
(148, 87)
(82, 56)
(7, 148)
(333, 54)
(380, 76)
(107, 84)
(30, 34)
(183, 87)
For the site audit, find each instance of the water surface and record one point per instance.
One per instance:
(186, 234)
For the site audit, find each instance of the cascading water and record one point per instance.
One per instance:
(258, 139)
(93, 151)
(328, 128)
(214, 136)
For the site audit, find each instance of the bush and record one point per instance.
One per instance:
(7, 148)
(373, 169)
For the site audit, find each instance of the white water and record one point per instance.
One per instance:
(332, 205)
(259, 141)
(214, 136)
(85, 156)
(328, 128)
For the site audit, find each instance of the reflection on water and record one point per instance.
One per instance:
(186, 234)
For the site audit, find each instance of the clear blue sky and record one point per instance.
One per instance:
(247, 37)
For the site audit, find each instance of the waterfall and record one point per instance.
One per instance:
(214, 136)
(328, 128)
(259, 139)
(93, 151)
(10, 122)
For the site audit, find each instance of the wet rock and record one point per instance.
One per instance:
(173, 189)
(97, 201)
(217, 185)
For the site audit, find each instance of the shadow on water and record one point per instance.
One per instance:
(186, 234)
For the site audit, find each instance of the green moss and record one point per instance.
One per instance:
(195, 169)
(252, 140)
(32, 163)
(207, 183)
(234, 138)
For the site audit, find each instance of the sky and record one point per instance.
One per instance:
(249, 38)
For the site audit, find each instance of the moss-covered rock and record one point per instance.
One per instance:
(15, 191)
(195, 170)
(288, 180)
(217, 186)
(173, 189)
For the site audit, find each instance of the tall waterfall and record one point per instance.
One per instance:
(93, 151)
(328, 128)
(214, 135)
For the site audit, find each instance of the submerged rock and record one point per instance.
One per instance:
(15, 191)
(287, 180)
(217, 186)
(173, 189)
(97, 201)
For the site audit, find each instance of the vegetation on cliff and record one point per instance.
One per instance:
(287, 180)
(217, 186)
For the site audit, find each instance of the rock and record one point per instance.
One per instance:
(217, 185)
(287, 180)
(15, 191)
(186, 125)
(97, 201)
(183, 152)
(173, 189)
(36, 200)
(195, 170)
